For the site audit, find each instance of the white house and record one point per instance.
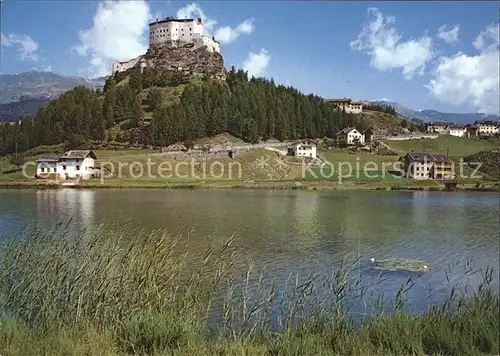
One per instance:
(456, 130)
(349, 137)
(304, 148)
(347, 104)
(47, 166)
(72, 164)
(487, 127)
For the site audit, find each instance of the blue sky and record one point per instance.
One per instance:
(432, 55)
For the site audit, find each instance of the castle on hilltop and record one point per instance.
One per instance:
(172, 32)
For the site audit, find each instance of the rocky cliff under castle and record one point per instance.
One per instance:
(178, 45)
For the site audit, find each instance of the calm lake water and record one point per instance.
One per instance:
(296, 231)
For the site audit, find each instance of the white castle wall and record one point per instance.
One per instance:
(123, 66)
(211, 44)
(175, 30)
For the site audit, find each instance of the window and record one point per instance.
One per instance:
(64, 167)
(54, 169)
(42, 169)
(77, 168)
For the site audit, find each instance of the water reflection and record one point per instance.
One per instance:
(61, 205)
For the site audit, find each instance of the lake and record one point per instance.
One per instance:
(295, 231)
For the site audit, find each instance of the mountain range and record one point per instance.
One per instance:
(433, 115)
(23, 93)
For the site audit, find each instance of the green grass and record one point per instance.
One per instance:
(120, 291)
(445, 144)
(355, 166)
(224, 137)
(380, 120)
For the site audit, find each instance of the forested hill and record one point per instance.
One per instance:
(158, 109)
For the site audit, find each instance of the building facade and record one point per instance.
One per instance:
(368, 136)
(437, 127)
(171, 30)
(487, 127)
(456, 130)
(347, 104)
(71, 165)
(424, 166)
(304, 148)
(126, 65)
(349, 137)
(470, 131)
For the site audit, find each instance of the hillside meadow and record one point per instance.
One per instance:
(445, 144)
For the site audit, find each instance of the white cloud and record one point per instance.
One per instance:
(5, 41)
(463, 79)
(118, 33)
(449, 36)
(226, 35)
(43, 68)
(26, 46)
(490, 33)
(194, 11)
(382, 42)
(256, 63)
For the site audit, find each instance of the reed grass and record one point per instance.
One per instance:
(127, 292)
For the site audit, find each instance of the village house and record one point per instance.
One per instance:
(72, 164)
(304, 148)
(347, 104)
(456, 130)
(437, 127)
(423, 166)
(349, 137)
(368, 136)
(470, 131)
(487, 127)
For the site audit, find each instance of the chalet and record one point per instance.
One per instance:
(456, 130)
(423, 166)
(304, 148)
(347, 104)
(72, 164)
(349, 137)
(487, 127)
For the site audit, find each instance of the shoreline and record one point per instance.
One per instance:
(270, 185)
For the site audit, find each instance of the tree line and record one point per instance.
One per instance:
(388, 109)
(248, 108)
(251, 109)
